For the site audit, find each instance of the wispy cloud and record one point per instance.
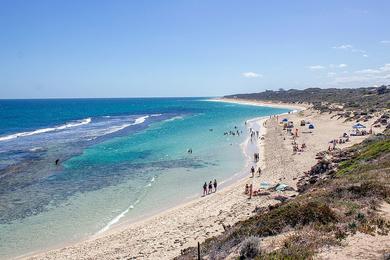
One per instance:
(341, 65)
(251, 74)
(371, 76)
(343, 47)
(385, 42)
(316, 67)
(351, 48)
(384, 69)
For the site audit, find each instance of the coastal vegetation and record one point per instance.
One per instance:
(352, 103)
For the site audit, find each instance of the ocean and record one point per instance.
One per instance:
(119, 160)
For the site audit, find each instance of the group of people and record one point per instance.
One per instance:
(253, 171)
(207, 189)
(253, 134)
(256, 157)
(233, 132)
(297, 149)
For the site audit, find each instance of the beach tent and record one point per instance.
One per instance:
(358, 126)
(311, 126)
(285, 120)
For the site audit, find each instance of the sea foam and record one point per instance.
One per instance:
(46, 130)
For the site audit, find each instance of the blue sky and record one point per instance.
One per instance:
(148, 48)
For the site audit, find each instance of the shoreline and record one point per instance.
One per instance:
(294, 107)
(236, 180)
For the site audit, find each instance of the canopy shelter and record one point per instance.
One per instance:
(358, 126)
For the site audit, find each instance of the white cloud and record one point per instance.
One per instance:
(332, 74)
(365, 77)
(384, 69)
(341, 65)
(251, 75)
(385, 42)
(316, 67)
(349, 47)
(343, 47)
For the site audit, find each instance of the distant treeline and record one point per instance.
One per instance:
(350, 98)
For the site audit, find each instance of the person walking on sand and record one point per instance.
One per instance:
(215, 185)
(253, 171)
(210, 187)
(205, 189)
(259, 171)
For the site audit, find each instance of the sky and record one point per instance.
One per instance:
(69, 48)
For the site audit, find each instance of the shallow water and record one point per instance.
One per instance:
(120, 159)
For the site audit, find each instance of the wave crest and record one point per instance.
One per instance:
(46, 130)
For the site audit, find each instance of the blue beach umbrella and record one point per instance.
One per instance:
(311, 126)
(285, 120)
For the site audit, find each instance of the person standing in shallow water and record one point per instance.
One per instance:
(215, 185)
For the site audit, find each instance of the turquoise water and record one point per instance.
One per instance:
(120, 160)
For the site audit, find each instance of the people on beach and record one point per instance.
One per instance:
(208, 188)
(253, 171)
(259, 171)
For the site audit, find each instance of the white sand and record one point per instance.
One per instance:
(163, 236)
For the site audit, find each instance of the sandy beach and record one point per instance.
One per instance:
(163, 236)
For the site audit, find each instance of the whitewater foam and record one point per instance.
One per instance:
(46, 130)
(117, 218)
(174, 118)
(114, 129)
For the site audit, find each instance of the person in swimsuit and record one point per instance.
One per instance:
(205, 188)
(210, 187)
(215, 185)
(253, 171)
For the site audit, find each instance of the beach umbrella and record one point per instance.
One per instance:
(285, 120)
(311, 126)
(358, 126)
